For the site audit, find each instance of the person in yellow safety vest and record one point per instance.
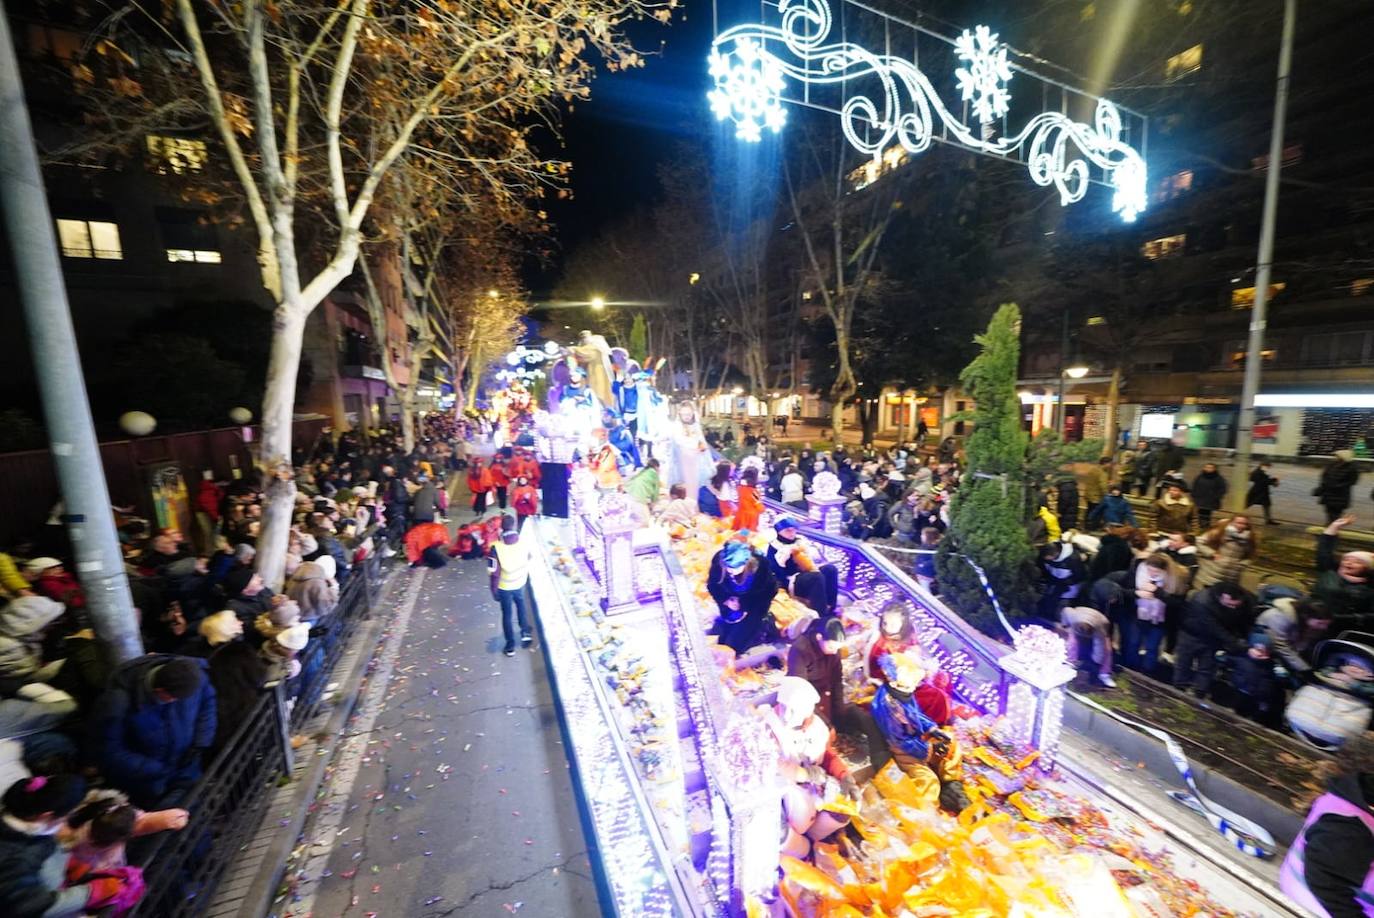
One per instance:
(510, 572)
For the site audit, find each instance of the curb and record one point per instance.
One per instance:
(257, 901)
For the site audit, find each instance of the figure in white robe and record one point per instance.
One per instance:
(687, 446)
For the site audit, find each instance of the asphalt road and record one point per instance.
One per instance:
(452, 794)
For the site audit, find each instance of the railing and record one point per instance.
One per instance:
(183, 869)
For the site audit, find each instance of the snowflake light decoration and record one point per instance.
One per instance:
(984, 82)
(748, 91)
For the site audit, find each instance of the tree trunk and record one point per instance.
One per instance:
(406, 393)
(278, 404)
(1113, 407)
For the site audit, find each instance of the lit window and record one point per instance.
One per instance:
(1171, 186)
(1164, 246)
(1362, 286)
(89, 239)
(60, 43)
(892, 158)
(1292, 155)
(178, 155)
(1244, 297)
(1183, 63)
(1266, 356)
(201, 256)
(1097, 320)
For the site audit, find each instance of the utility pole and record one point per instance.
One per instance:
(1254, 350)
(57, 365)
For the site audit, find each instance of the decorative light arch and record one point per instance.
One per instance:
(759, 66)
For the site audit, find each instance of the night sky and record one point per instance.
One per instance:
(631, 124)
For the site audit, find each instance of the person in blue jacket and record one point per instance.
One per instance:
(151, 727)
(1112, 510)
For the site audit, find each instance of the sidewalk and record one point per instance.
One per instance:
(449, 791)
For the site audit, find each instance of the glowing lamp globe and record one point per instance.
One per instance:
(137, 423)
(240, 415)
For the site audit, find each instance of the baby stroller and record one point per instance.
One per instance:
(1337, 705)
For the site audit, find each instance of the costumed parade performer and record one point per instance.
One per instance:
(815, 801)
(797, 564)
(583, 409)
(931, 759)
(594, 354)
(743, 587)
(687, 445)
(654, 422)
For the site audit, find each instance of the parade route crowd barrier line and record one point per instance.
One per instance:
(183, 869)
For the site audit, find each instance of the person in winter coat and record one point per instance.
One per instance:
(427, 543)
(1338, 478)
(1168, 462)
(480, 484)
(1209, 490)
(33, 866)
(316, 593)
(1175, 511)
(1113, 510)
(525, 499)
(1066, 503)
(1140, 601)
(151, 727)
(1115, 551)
(1258, 495)
(902, 518)
(246, 595)
(1225, 551)
(1292, 627)
(1144, 467)
(743, 585)
(1345, 585)
(220, 628)
(237, 673)
(1216, 618)
(1125, 466)
(1329, 869)
(500, 480)
(797, 566)
(1093, 479)
(1090, 641)
(424, 503)
(49, 577)
(750, 505)
(1063, 575)
(792, 488)
(815, 657)
(23, 622)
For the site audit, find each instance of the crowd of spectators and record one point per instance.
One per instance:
(95, 753)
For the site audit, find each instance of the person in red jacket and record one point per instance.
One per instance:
(524, 498)
(208, 498)
(423, 537)
(480, 483)
(524, 466)
(500, 479)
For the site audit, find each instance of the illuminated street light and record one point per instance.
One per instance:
(598, 302)
(737, 390)
(494, 294)
(1077, 371)
(693, 277)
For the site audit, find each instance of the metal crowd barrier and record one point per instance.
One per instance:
(183, 869)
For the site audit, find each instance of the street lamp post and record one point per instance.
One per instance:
(1254, 348)
(57, 365)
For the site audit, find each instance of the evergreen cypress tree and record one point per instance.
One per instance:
(639, 339)
(986, 516)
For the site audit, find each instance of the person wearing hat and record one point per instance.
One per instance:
(743, 586)
(815, 657)
(1334, 487)
(932, 759)
(245, 594)
(796, 564)
(480, 485)
(811, 771)
(151, 726)
(1345, 584)
(23, 624)
(51, 579)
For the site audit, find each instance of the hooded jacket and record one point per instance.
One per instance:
(1113, 509)
(143, 747)
(1175, 515)
(1205, 618)
(22, 622)
(315, 593)
(1338, 853)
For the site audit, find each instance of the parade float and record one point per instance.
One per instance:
(694, 760)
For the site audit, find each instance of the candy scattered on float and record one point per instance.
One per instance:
(1031, 845)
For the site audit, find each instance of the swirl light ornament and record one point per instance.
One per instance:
(755, 65)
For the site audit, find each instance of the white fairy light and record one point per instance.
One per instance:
(752, 64)
(984, 82)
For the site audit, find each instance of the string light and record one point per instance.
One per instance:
(752, 63)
